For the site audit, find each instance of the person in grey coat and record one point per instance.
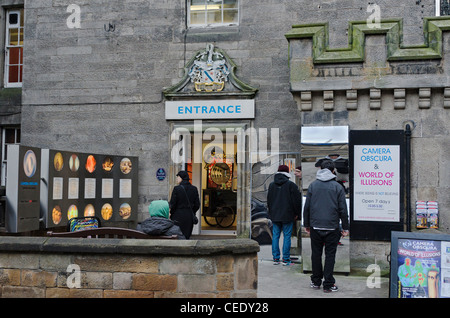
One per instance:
(325, 207)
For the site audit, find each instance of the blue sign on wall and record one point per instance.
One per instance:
(160, 174)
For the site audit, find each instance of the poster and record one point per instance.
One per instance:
(419, 269)
(376, 183)
(22, 211)
(445, 269)
(86, 184)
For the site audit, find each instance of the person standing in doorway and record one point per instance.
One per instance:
(325, 207)
(284, 203)
(298, 172)
(184, 203)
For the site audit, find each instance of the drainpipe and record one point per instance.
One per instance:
(408, 177)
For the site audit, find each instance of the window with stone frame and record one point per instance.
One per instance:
(14, 29)
(210, 13)
(442, 7)
(9, 136)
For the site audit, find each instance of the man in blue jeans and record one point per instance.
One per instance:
(284, 202)
(325, 207)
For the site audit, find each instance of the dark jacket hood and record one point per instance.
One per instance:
(281, 178)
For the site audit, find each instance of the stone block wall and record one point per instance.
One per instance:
(98, 90)
(114, 268)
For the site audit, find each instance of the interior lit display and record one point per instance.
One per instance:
(29, 163)
(89, 210)
(108, 164)
(58, 161)
(91, 163)
(125, 165)
(23, 185)
(125, 211)
(105, 187)
(107, 211)
(72, 212)
(74, 163)
(56, 214)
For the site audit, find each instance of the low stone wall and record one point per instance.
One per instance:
(106, 268)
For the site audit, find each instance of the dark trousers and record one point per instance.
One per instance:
(321, 240)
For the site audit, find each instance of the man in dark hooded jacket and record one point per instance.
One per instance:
(284, 202)
(325, 208)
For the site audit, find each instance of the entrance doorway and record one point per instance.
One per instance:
(218, 188)
(211, 156)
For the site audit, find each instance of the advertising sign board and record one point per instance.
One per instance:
(86, 184)
(22, 188)
(420, 265)
(376, 183)
(376, 187)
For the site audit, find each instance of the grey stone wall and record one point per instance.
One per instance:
(98, 88)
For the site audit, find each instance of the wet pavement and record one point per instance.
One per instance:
(279, 281)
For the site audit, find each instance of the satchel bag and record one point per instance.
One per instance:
(194, 217)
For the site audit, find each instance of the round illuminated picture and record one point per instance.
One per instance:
(125, 211)
(125, 165)
(107, 211)
(56, 214)
(74, 163)
(89, 210)
(58, 161)
(72, 212)
(91, 164)
(108, 164)
(29, 163)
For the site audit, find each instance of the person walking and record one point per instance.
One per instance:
(183, 203)
(325, 207)
(284, 202)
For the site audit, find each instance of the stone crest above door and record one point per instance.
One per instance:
(210, 73)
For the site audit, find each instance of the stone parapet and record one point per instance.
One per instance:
(106, 268)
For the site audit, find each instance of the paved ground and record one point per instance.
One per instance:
(278, 281)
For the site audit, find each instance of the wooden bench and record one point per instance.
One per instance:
(110, 232)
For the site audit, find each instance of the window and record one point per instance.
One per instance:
(442, 7)
(10, 136)
(213, 12)
(14, 48)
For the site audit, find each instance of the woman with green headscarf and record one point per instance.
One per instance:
(159, 208)
(159, 223)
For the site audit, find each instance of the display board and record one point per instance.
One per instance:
(22, 188)
(86, 184)
(377, 183)
(420, 265)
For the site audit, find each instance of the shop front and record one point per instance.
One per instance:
(210, 114)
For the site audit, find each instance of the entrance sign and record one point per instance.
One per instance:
(376, 187)
(210, 109)
(377, 183)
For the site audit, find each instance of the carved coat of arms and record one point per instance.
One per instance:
(209, 71)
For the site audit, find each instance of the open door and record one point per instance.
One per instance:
(319, 143)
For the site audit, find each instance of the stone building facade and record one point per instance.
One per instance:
(98, 76)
